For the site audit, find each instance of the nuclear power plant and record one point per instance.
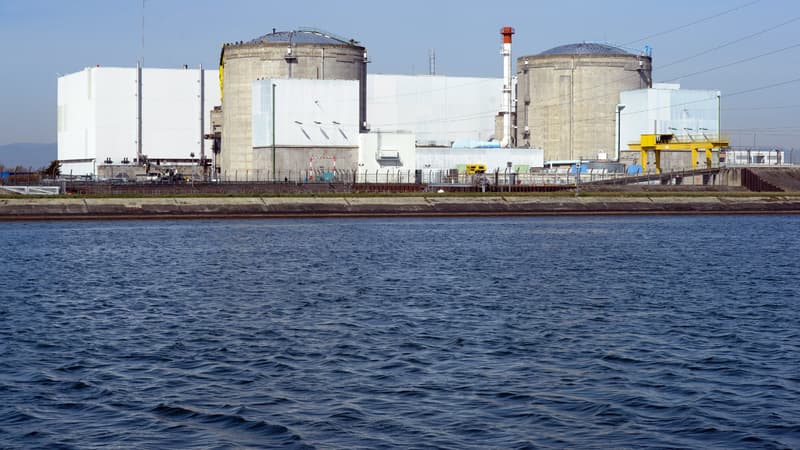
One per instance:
(300, 103)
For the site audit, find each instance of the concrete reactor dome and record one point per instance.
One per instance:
(303, 36)
(567, 98)
(305, 53)
(585, 48)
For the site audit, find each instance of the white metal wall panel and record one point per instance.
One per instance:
(308, 113)
(438, 109)
(75, 169)
(75, 114)
(113, 133)
(170, 113)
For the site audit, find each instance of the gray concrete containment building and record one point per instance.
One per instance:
(303, 54)
(567, 98)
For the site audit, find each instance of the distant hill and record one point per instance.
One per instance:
(27, 155)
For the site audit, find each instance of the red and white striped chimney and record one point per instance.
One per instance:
(507, 32)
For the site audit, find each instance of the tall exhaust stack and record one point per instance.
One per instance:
(507, 32)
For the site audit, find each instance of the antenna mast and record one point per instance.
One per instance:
(141, 56)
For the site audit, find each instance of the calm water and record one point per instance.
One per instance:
(431, 333)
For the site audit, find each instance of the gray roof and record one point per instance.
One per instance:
(585, 49)
(303, 36)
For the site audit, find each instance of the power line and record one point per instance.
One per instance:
(690, 24)
(737, 62)
(729, 43)
(758, 108)
(575, 96)
(574, 99)
(584, 99)
(761, 88)
(767, 129)
(611, 115)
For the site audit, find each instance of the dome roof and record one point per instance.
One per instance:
(303, 36)
(585, 49)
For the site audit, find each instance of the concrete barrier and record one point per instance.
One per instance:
(216, 207)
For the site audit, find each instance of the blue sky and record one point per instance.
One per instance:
(45, 38)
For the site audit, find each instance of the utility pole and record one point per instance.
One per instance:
(202, 122)
(273, 133)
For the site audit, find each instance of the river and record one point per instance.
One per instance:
(678, 331)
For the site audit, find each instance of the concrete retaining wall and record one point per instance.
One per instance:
(110, 208)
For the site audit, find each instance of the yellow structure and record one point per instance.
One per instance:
(221, 72)
(658, 143)
(472, 169)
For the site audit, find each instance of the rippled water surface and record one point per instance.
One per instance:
(430, 333)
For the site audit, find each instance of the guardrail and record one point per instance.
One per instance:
(31, 190)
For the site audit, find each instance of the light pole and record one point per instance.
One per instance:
(620, 107)
(194, 168)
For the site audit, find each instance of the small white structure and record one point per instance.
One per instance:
(98, 116)
(756, 157)
(386, 151)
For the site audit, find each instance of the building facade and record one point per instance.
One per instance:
(103, 111)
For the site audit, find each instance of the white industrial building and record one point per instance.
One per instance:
(98, 116)
(99, 126)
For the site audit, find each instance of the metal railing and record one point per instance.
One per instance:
(761, 158)
(30, 190)
(427, 176)
(562, 177)
(341, 181)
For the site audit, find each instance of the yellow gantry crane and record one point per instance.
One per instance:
(658, 143)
